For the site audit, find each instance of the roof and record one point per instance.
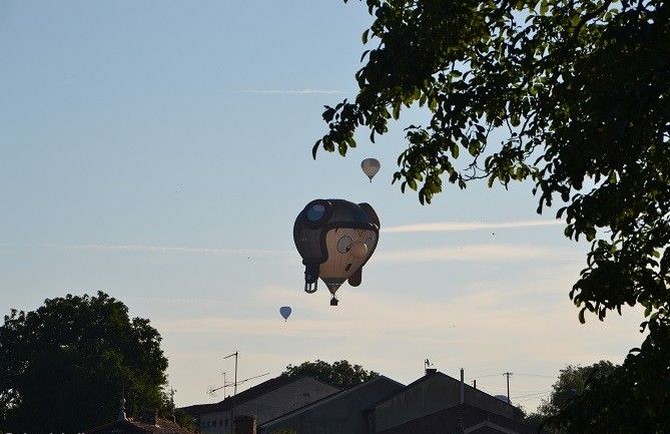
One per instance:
(432, 375)
(472, 419)
(138, 425)
(409, 386)
(329, 398)
(247, 395)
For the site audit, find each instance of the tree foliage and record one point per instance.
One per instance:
(340, 374)
(572, 382)
(66, 365)
(579, 92)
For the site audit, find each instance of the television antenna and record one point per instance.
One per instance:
(251, 378)
(172, 409)
(211, 390)
(236, 354)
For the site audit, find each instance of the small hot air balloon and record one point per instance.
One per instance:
(285, 312)
(370, 167)
(335, 238)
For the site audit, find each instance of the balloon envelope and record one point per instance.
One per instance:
(335, 239)
(370, 167)
(285, 312)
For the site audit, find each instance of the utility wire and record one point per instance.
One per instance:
(544, 392)
(537, 375)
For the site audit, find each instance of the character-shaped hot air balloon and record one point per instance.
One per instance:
(285, 312)
(370, 167)
(335, 238)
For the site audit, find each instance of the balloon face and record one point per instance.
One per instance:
(348, 249)
(370, 167)
(335, 239)
(285, 312)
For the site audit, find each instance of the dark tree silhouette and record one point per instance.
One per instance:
(340, 374)
(65, 366)
(572, 382)
(579, 93)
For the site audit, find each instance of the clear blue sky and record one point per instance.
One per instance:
(160, 152)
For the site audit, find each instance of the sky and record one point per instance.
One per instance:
(161, 151)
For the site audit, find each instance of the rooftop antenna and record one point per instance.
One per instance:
(122, 406)
(236, 354)
(172, 391)
(211, 390)
(251, 378)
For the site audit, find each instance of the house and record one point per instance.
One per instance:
(149, 423)
(265, 401)
(340, 413)
(434, 404)
(462, 419)
(433, 393)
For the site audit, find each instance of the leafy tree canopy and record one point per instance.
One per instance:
(340, 374)
(579, 92)
(572, 382)
(65, 366)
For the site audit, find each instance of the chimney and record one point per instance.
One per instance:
(427, 365)
(245, 425)
(462, 385)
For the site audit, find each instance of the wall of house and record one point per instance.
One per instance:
(341, 414)
(275, 403)
(432, 394)
(215, 422)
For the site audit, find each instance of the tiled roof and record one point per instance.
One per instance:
(140, 426)
(247, 395)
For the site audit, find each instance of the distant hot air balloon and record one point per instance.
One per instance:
(370, 167)
(335, 238)
(285, 312)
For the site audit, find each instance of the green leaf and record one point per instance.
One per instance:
(364, 37)
(544, 7)
(575, 19)
(396, 110)
(315, 148)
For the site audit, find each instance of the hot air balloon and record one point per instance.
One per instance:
(370, 167)
(285, 312)
(335, 238)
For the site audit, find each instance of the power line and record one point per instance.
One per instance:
(544, 392)
(486, 375)
(516, 373)
(537, 375)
